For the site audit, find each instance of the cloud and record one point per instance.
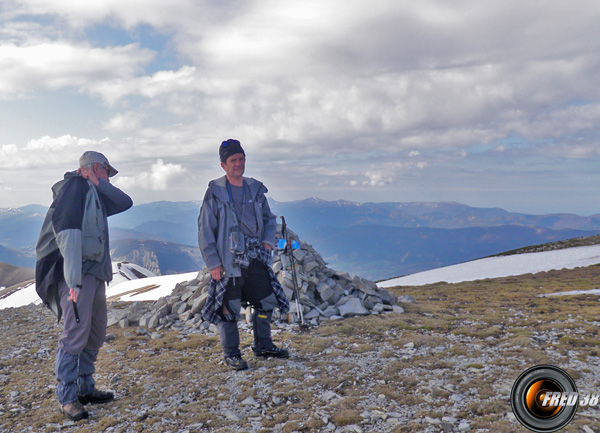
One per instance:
(48, 152)
(128, 14)
(50, 65)
(129, 121)
(428, 87)
(159, 178)
(377, 179)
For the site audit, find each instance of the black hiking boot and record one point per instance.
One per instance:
(96, 397)
(273, 352)
(74, 411)
(236, 362)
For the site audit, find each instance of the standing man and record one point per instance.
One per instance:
(236, 235)
(73, 264)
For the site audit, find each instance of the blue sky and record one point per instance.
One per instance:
(481, 102)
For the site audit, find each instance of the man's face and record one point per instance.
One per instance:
(235, 165)
(98, 170)
(101, 171)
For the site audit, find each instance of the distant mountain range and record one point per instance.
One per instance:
(305, 215)
(374, 240)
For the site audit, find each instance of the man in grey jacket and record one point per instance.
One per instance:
(236, 234)
(73, 264)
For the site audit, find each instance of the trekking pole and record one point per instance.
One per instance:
(75, 311)
(290, 253)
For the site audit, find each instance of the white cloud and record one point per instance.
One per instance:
(53, 144)
(127, 13)
(421, 81)
(129, 121)
(50, 65)
(8, 149)
(161, 84)
(377, 179)
(159, 178)
(48, 152)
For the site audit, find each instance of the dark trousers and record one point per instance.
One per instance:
(253, 287)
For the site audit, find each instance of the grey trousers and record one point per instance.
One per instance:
(79, 342)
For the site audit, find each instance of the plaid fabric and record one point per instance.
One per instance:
(216, 289)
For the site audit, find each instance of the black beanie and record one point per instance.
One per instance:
(230, 147)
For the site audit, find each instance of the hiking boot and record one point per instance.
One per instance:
(236, 362)
(273, 352)
(96, 397)
(74, 411)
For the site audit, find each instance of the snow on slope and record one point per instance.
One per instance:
(23, 296)
(128, 286)
(137, 290)
(503, 266)
(122, 272)
(125, 271)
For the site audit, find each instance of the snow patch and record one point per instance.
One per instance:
(24, 296)
(503, 266)
(137, 290)
(123, 272)
(572, 292)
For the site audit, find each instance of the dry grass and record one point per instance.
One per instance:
(469, 340)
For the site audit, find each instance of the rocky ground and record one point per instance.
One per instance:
(445, 365)
(553, 246)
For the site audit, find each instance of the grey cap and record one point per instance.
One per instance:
(91, 157)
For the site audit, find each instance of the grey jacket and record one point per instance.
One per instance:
(74, 236)
(217, 219)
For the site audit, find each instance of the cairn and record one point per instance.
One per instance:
(324, 294)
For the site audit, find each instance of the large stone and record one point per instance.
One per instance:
(397, 309)
(176, 305)
(277, 266)
(187, 295)
(353, 307)
(163, 311)
(150, 320)
(198, 303)
(386, 297)
(158, 304)
(371, 301)
(323, 293)
(343, 275)
(197, 292)
(183, 307)
(185, 316)
(405, 299)
(364, 286)
(299, 255)
(311, 266)
(312, 314)
(378, 308)
(331, 311)
(289, 293)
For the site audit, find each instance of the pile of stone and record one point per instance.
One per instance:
(324, 294)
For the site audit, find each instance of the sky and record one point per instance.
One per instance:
(486, 103)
